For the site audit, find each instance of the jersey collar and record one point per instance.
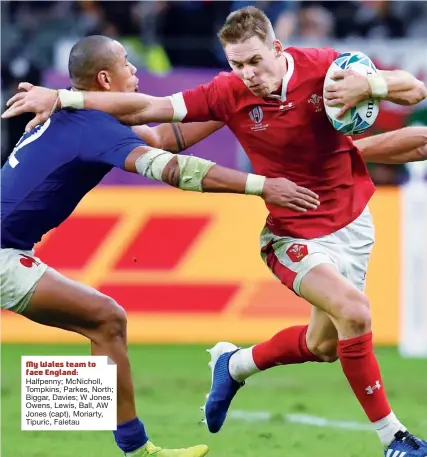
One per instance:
(286, 78)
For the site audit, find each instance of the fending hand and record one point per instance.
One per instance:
(286, 194)
(31, 99)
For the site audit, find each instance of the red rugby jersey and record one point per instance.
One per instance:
(290, 136)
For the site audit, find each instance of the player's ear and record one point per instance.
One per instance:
(104, 80)
(278, 48)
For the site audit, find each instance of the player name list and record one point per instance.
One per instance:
(68, 393)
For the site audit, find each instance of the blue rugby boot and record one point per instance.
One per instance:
(223, 388)
(406, 445)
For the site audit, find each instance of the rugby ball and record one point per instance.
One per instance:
(359, 118)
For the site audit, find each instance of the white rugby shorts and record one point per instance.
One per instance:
(348, 249)
(20, 271)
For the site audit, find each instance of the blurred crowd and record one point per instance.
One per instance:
(160, 35)
(185, 31)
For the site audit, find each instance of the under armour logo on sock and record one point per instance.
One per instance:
(370, 389)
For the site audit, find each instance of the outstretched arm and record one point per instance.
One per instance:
(130, 108)
(204, 103)
(199, 175)
(408, 144)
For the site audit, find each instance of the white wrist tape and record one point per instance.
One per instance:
(379, 86)
(192, 169)
(254, 184)
(179, 107)
(71, 99)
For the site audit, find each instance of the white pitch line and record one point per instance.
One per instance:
(304, 419)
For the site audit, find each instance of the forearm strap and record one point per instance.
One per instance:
(192, 169)
(152, 163)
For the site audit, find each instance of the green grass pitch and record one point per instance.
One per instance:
(170, 385)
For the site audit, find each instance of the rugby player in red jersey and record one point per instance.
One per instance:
(272, 101)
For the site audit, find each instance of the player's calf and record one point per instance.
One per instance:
(348, 308)
(60, 302)
(324, 350)
(109, 338)
(292, 345)
(231, 365)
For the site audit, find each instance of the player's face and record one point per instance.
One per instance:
(257, 64)
(123, 74)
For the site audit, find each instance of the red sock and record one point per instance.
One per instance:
(361, 369)
(285, 348)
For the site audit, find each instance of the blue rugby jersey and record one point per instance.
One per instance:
(52, 167)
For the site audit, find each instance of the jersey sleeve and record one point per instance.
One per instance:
(105, 140)
(206, 102)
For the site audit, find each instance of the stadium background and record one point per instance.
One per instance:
(186, 266)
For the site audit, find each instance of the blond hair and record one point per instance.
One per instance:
(246, 23)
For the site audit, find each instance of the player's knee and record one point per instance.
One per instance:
(325, 350)
(354, 313)
(112, 321)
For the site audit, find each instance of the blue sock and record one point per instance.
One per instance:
(130, 435)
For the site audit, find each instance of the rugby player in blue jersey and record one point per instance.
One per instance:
(47, 174)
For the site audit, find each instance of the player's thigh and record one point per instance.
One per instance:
(20, 271)
(290, 259)
(61, 302)
(328, 290)
(322, 335)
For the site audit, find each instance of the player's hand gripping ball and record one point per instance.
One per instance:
(359, 115)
